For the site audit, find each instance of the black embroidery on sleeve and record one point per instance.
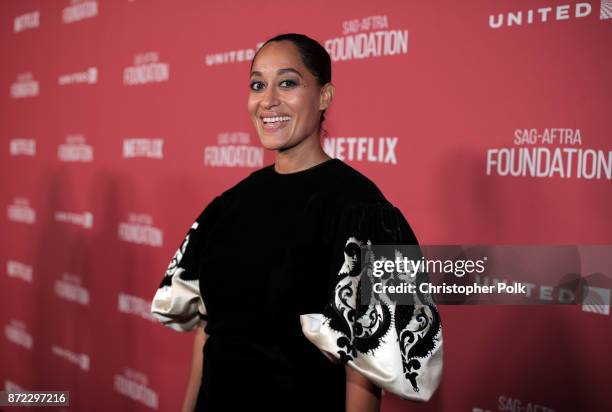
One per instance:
(419, 343)
(364, 328)
(177, 258)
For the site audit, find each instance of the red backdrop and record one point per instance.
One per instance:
(120, 120)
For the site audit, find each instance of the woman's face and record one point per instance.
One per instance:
(284, 98)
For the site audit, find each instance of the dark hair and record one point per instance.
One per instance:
(313, 55)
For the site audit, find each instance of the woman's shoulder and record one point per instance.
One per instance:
(338, 181)
(367, 213)
(253, 179)
(355, 187)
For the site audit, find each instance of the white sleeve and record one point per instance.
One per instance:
(178, 303)
(397, 346)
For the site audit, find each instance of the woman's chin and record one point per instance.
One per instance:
(271, 143)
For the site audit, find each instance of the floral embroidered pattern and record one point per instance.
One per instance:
(364, 327)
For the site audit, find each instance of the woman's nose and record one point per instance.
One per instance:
(270, 97)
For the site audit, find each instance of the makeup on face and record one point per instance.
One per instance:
(282, 104)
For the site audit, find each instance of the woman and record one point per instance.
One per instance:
(269, 272)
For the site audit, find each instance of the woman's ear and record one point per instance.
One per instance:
(327, 95)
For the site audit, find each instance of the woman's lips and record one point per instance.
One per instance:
(273, 126)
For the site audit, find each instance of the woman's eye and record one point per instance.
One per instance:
(257, 85)
(254, 86)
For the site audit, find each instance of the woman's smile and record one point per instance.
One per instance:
(274, 122)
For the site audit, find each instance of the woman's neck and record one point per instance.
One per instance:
(307, 154)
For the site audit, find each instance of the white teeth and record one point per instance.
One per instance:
(276, 119)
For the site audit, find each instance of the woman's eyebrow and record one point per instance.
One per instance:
(279, 71)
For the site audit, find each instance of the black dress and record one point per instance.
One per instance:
(271, 265)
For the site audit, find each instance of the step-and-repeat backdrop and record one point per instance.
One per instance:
(484, 122)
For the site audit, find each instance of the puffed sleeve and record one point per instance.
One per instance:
(397, 346)
(178, 303)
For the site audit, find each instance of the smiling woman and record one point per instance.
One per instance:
(271, 268)
(290, 89)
